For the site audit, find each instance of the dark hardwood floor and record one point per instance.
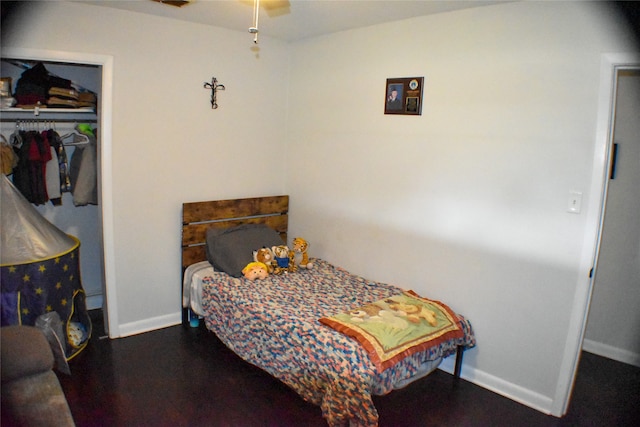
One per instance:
(183, 376)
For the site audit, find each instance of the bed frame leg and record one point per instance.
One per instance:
(458, 366)
(185, 317)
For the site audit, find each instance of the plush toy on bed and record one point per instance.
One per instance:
(284, 259)
(300, 247)
(255, 270)
(265, 256)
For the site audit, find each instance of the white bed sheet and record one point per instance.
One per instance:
(192, 286)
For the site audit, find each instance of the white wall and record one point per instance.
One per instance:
(169, 146)
(468, 202)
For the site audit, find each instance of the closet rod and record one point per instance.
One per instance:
(3, 120)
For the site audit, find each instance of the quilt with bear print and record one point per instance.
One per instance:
(274, 324)
(393, 328)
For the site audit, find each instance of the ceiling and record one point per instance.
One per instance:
(292, 20)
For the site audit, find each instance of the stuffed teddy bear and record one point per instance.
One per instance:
(300, 247)
(284, 259)
(265, 256)
(255, 270)
(413, 312)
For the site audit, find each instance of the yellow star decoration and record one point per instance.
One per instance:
(12, 269)
(25, 311)
(66, 267)
(39, 291)
(49, 308)
(63, 302)
(71, 278)
(42, 268)
(58, 260)
(58, 285)
(26, 278)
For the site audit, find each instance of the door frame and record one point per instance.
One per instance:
(105, 111)
(609, 65)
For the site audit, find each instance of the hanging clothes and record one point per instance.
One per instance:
(83, 170)
(52, 173)
(8, 158)
(64, 182)
(39, 155)
(29, 174)
(42, 172)
(21, 170)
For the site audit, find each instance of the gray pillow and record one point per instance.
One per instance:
(231, 249)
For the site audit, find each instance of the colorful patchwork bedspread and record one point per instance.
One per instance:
(274, 324)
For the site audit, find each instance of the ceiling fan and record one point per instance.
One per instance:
(273, 8)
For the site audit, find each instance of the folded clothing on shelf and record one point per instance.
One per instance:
(63, 93)
(87, 99)
(54, 101)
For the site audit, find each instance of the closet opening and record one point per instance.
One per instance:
(86, 216)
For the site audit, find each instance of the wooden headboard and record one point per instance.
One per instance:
(198, 217)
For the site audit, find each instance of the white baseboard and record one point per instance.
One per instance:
(151, 324)
(610, 352)
(499, 386)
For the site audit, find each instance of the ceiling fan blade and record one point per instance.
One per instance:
(275, 4)
(272, 7)
(178, 3)
(277, 7)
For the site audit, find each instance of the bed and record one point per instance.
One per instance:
(301, 327)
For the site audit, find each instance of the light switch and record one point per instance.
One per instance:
(575, 202)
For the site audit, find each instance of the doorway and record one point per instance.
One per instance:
(105, 62)
(595, 202)
(613, 328)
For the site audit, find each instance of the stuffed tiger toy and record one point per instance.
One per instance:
(284, 259)
(300, 247)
